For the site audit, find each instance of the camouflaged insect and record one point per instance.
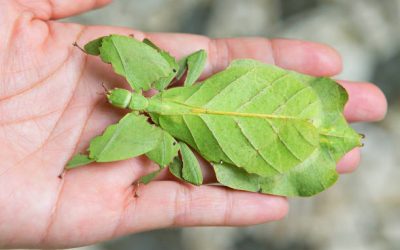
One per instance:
(262, 128)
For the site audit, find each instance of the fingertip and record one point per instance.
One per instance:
(62, 9)
(306, 57)
(379, 98)
(279, 208)
(255, 208)
(103, 2)
(366, 103)
(349, 162)
(329, 59)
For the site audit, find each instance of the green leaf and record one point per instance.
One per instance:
(151, 44)
(149, 177)
(163, 82)
(93, 47)
(78, 160)
(170, 59)
(263, 120)
(312, 176)
(191, 171)
(175, 168)
(131, 136)
(182, 67)
(195, 63)
(165, 151)
(139, 63)
(188, 169)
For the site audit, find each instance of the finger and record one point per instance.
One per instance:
(349, 162)
(56, 9)
(366, 103)
(186, 205)
(62, 9)
(104, 212)
(306, 57)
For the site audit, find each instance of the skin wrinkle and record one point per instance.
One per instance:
(38, 83)
(50, 133)
(183, 206)
(26, 157)
(273, 50)
(54, 209)
(27, 69)
(40, 148)
(35, 117)
(142, 160)
(11, 35)
(16, 22)
(128, 200)
(228, 207)
(50, 12)
(224, 52)
(211, 54)
(89, 115)
(49, 36)
(43, 13)
(8, 43)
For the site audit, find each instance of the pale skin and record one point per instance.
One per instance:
(49, 110)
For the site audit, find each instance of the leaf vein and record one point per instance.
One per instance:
(304, 138)
(255, 148)
(308, 106)
(190, 131)
(120, 58)
(227, 86)
(220, 146)
(283, 142)
(263, 90)
(289, 99)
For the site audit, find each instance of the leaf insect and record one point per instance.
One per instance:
(262, 128)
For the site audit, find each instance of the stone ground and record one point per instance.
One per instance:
(361, 210)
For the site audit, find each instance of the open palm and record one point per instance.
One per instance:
(49, 109)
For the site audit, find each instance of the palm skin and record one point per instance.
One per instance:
(49, 109)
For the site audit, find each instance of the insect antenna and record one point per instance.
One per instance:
(75, 44)
(106, 90)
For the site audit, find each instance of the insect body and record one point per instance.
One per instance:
(264, 129)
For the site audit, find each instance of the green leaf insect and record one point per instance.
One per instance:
(191, 171)
(165, 152)
(194, 64)
(262, 128)
(140, 63)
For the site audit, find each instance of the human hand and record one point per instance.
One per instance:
(49, 111)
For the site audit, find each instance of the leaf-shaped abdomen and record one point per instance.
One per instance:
(259, 145)
(252, 116)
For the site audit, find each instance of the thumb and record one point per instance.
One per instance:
(56, 9)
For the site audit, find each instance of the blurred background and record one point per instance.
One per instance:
(362, 210)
